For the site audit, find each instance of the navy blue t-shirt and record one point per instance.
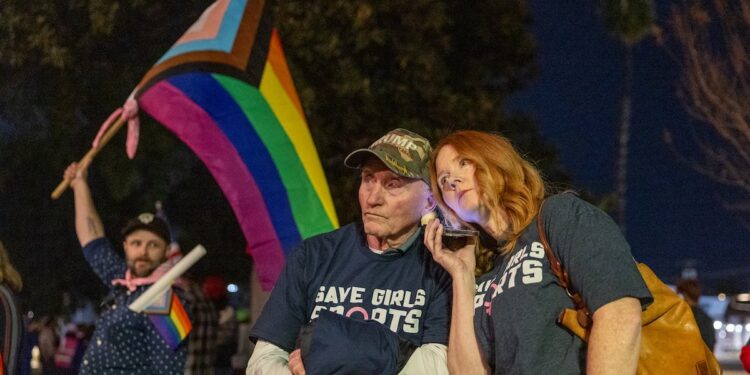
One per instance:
(517, 303)
(404, 290)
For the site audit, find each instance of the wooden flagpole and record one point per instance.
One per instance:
(64, 184)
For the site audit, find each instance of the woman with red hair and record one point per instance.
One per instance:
(504, 315)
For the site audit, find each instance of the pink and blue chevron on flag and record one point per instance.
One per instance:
(225, 90)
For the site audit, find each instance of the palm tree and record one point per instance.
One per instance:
(629, 21)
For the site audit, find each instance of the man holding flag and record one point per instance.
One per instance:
(375, 271)
(126, 342)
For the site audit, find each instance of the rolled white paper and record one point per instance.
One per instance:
(160, 286)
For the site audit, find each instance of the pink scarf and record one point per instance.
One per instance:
(131, 282)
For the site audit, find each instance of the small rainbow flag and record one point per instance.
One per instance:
(225, 90)
(170, 319)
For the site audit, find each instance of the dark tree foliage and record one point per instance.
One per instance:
(361, 68)
(365, 67)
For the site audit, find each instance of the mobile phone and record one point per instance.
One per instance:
(454, 239)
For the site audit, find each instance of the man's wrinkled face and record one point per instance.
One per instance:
(391, 204)
(144, 252)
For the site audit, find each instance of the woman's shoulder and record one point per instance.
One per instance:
(568, 204)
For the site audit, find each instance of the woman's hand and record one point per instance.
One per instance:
(464, 355)
(457, 262)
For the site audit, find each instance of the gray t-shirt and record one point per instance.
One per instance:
(518, 302)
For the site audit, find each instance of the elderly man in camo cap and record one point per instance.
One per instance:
(376, 270)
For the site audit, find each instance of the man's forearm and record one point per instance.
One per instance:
(427, 359)
(88, 224)
(268, 359)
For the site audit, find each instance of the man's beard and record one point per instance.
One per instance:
(144, 272)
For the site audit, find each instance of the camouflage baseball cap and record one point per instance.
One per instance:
(403, 152)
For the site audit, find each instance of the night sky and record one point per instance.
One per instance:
(673, 213)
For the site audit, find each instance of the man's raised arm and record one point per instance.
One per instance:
(88, 224)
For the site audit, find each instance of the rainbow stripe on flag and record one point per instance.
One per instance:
(225, 90)
(173, 324)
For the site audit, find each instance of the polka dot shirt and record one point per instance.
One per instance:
(125, 342)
